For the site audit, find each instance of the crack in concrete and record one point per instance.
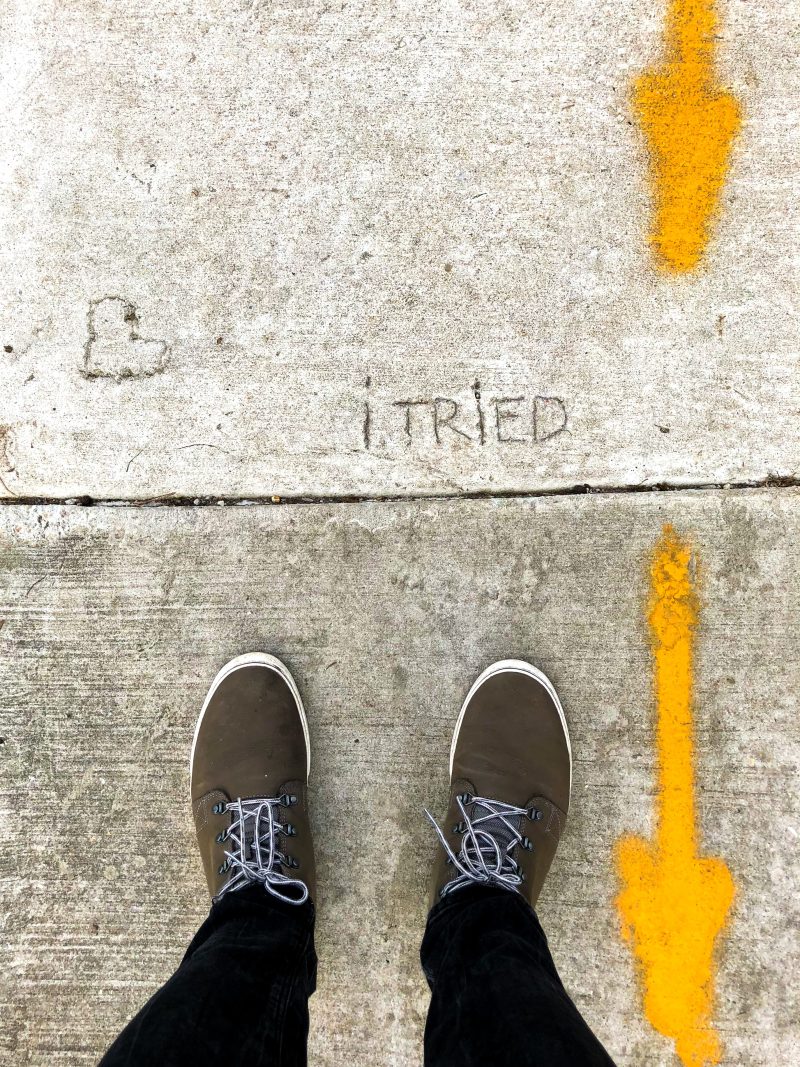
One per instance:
(771, 481)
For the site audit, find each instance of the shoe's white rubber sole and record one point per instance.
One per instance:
(521, 667)
(253, 659)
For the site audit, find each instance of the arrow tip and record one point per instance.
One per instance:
(673, 909)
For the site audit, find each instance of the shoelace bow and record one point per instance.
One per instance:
(482, 858)
(255, 855)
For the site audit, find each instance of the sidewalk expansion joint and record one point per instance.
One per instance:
(178, 501)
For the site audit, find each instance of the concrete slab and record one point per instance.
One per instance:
(240, 239)
(115, 619)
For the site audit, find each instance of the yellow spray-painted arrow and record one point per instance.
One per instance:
(674, 904)
(689, 123)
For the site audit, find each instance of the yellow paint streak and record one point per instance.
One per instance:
(674, 904)
(689, 124)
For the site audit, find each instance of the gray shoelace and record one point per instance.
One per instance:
(254, 855)
(491, 834)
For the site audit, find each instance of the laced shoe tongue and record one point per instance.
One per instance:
(251, 849)
(249, 840)
(261, 859)
(491, 834)
(499, 828)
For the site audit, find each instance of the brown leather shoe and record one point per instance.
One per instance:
(510, 780)
(249, 773)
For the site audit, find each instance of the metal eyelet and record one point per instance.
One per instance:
(459, 828)
(218, 808)
(535, 814)
(221, 836)
(287, 799)
(465, 798)
(290, 830)
(527, 844)
(223, 867)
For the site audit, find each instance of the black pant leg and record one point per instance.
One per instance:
(240, 995)
(496, 995)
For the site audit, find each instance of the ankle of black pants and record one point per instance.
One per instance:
(240, 996)
(254, 906)
(496, 997)
(254, 900)
(481, 906)
(479, 893)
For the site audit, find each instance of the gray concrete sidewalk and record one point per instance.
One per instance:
(263, 250)
(232, 228)
(114, 620)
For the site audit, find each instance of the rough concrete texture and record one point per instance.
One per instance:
(253, 250)
(229, 226)
(114, 620)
